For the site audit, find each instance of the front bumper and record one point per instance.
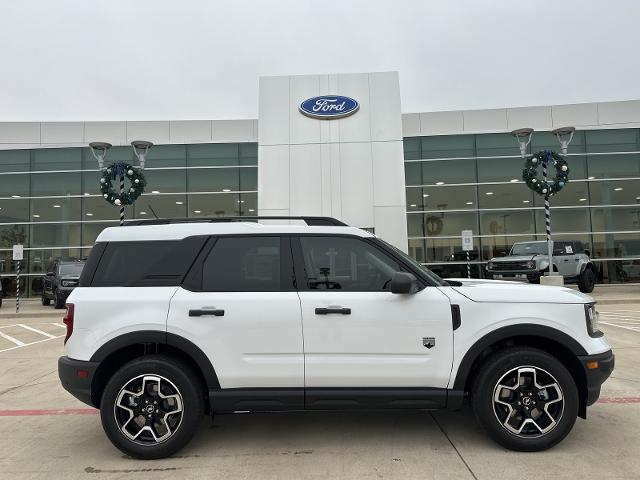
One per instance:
(597, 376)
(76, 377)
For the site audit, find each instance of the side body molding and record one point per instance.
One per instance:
(525, 330)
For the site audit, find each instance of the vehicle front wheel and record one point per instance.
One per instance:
(58, 301)
(152, 407)
(587, 281)
(45, 300)
(534, 278)
(525, 399)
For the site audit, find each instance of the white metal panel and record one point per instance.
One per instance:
(619, 112)
(384, 105)
(62, 132)
(356, 127)
(441, 123)
(257, 343)
(111, 132)
(303, 129)
(336, 180)
(233, 131)
(273, 177)
(485, 120)
(273, 108)
(388, 173)
(576, 115)
(411, 125)
(356, 184)
(380, 344)
(104, 313)
(538, 118)
(326, 179)
(19, 132)
(156, 132)
(187, 131)
(306, 180)
(391, 225)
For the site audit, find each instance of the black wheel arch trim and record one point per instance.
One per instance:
(163, 338)
(505, 333)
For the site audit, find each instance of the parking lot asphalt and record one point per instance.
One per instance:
(46, 433)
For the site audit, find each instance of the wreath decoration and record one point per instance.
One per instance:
(530, 172)
(129, 195)
(434, 225)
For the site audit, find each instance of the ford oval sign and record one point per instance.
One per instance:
(328, 107)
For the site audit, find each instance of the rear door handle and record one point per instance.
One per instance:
(330, 310)
(199, 312)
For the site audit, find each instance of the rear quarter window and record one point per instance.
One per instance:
(146, 263)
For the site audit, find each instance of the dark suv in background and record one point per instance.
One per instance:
(61, 278)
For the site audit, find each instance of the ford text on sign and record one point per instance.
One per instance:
(329, 107)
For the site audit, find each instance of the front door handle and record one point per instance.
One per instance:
(330, 310)
(199, 312)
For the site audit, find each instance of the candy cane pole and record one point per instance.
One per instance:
(547, 211)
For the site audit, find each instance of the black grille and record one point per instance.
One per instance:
(506, 266)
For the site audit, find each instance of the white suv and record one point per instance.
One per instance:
(174, 319)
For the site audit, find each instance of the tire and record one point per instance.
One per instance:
(493, 414)
(45, 300)
(587, 280)
(181, 388)
(535, 278)
(57, 301)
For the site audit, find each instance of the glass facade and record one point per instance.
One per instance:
(474, 182)
(50, 200)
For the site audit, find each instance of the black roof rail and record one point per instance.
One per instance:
(311, 221)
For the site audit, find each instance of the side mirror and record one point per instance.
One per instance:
(403, 282)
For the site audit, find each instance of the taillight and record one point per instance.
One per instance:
(68, 321)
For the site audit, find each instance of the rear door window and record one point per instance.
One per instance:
(248, 264)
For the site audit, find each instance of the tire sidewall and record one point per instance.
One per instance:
(493, 370)
(588, 280)
(192, 397)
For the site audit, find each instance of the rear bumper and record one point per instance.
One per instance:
(597, 376)
(76, 377)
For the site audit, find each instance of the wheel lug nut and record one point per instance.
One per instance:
(519, 403)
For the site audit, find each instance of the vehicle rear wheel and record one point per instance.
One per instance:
(525, 399)
(587, 281)
(58, 301)
(45, 300)
(152, 407)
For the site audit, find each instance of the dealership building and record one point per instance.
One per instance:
(415, 179)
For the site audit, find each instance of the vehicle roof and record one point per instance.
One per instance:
(178, 231)
(544, 241)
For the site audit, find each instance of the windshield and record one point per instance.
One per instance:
(533, 248)
(71, 269)
(411, 261)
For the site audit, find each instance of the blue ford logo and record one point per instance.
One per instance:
(329, 107)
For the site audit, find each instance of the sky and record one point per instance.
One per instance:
(66, 60)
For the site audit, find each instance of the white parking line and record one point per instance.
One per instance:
(36, 330)
(58, 325)
(27, 344)
(11, 339)
(633, 329)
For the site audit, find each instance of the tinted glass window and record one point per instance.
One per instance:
(246, 264)
(146, 264)
(349, 264)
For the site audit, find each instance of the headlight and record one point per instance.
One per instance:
(531, 264)
(490, 265)
(592, 320)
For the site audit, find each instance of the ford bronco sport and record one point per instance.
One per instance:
(570, 259)
(174, 319)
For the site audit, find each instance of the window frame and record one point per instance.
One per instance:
(300, 269)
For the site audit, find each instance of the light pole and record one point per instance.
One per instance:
(547, 189)
(140, 149)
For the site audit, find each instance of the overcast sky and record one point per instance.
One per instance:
(200, 59)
